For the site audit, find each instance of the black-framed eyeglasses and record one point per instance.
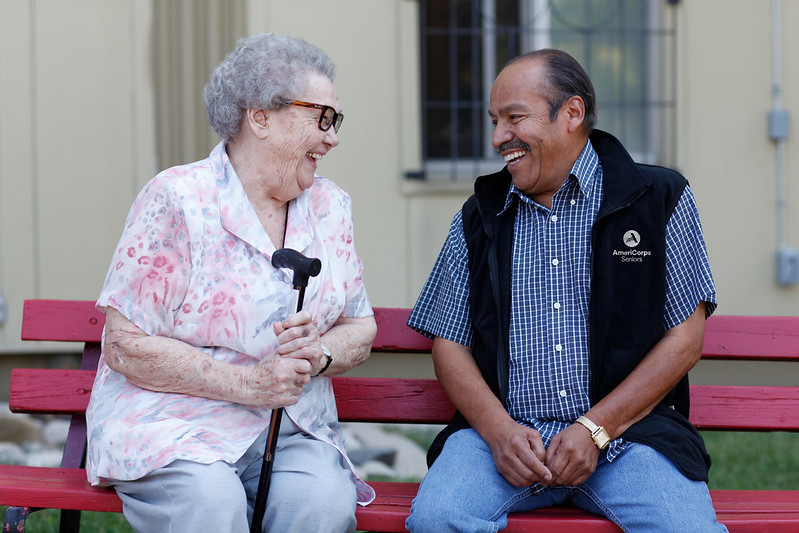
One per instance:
(328, 118)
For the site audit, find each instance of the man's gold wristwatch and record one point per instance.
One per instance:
(598, 433)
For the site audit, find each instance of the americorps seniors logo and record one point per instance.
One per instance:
(632, 238)
(632, 254)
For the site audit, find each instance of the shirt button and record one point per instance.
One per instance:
(555, 262)
(558, 347)
(573, 202)
(557, 305)
(563, 393)
(554, 218)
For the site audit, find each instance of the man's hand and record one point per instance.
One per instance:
(571, 457)
(519, 454)
(518, 451)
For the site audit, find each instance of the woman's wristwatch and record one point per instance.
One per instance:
(328, 355)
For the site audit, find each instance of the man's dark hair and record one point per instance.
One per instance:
(565, 78)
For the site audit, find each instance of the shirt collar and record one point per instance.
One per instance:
(583, 171)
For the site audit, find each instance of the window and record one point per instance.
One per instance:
(622, 44)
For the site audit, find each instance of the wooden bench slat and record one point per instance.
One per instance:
(394, 335)
(79, 321)
(745, 408)
(772, 338)
(392, 400)
(50, 391)
(754, 501)
(61, 488)
(61, 320)
(717, 407)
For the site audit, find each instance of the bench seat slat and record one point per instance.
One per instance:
(741, 510)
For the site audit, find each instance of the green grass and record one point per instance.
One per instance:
(756, 461)
(47, 521)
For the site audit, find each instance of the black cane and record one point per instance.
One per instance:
(303, 268)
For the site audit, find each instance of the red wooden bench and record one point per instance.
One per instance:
(390, 400)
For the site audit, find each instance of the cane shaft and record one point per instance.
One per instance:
(266, 470)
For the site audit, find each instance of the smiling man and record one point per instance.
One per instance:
(567, 306)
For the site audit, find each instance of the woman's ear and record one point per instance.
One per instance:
(258, 121)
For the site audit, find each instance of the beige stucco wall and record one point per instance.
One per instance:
(77, 140)
(725, 93)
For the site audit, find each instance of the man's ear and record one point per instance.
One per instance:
(575, 110)
(258, 122)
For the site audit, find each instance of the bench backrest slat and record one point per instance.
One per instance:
(79, 321)
(745, 408)
(424, 401)
(752, 337)
(56, 391)
(61, 320)
(50, 391)
(726, 337)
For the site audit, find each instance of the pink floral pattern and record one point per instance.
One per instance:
(194, 264)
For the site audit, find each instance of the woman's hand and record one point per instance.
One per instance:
(298, 338)
(278, 379)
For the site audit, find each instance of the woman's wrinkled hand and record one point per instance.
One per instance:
(298, 338)
(278, 380)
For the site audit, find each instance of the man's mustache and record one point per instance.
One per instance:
(514, 144)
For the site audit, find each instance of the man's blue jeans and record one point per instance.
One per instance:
(641, 490)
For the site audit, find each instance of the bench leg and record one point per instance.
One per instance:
(14, 521)
(70, 521)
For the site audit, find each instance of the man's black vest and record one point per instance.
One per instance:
(627, 300)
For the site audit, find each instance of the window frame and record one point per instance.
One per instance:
(659, 102)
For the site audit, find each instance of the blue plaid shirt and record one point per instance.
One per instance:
(550, 289)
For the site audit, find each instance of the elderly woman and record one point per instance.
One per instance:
(202, 339)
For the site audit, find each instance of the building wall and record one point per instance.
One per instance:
(79, 131)
(76, 140)
(725, 93)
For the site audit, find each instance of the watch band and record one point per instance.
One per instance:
(328, 355)
(598, 433)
